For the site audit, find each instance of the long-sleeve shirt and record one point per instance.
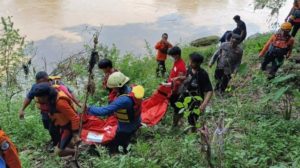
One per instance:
(162, 49)
(122, 102)
(65, 114)
(228, 58)
(279, 41)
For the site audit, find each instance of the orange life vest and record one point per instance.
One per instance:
(281, 41)
(58, 118)
(9, 151)
(58, 88)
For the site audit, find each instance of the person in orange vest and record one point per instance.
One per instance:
(162, 50)
(43, 77)
(63, 115)
(279, 46)
(107, 67)
(294, 17)
(8, 152)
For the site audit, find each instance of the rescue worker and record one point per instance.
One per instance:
(228, 57)
(197, 83)
(162, 50)
(175, 79)
(294, 17)
(106, 66)
(8, 152)
(42, 77)
(62, 114)
(279, 46)
(126, 106)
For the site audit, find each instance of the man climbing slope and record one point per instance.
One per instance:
(228, 57)
(279, 46)
(62, 114)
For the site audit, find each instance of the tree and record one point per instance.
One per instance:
(12, 59)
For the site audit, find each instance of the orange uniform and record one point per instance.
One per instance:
(162, 49)
(9, 152)
(279, 41)
(66, 113)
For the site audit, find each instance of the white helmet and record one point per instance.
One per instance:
(117, 80)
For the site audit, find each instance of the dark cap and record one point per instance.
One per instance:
(40, 75)
(174, 51)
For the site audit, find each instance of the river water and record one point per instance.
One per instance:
(59, 28)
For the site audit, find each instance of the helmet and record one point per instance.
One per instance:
(54, 77)
(117, 80)
(287, 26)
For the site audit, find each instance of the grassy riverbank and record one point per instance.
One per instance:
(257, 136)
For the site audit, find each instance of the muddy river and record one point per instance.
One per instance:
(59, 28)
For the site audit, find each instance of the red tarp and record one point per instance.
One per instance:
(102, 131)
(155, 107)
(98, 131)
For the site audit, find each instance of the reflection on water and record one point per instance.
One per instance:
(58, 27)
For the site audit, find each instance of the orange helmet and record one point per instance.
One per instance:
(287, 26)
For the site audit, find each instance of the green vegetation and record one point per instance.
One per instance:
(205, 41)
(261, 117)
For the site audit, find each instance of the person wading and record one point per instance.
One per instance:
(162, 50)
(126, 106)
(228, 57)
(279, 46)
